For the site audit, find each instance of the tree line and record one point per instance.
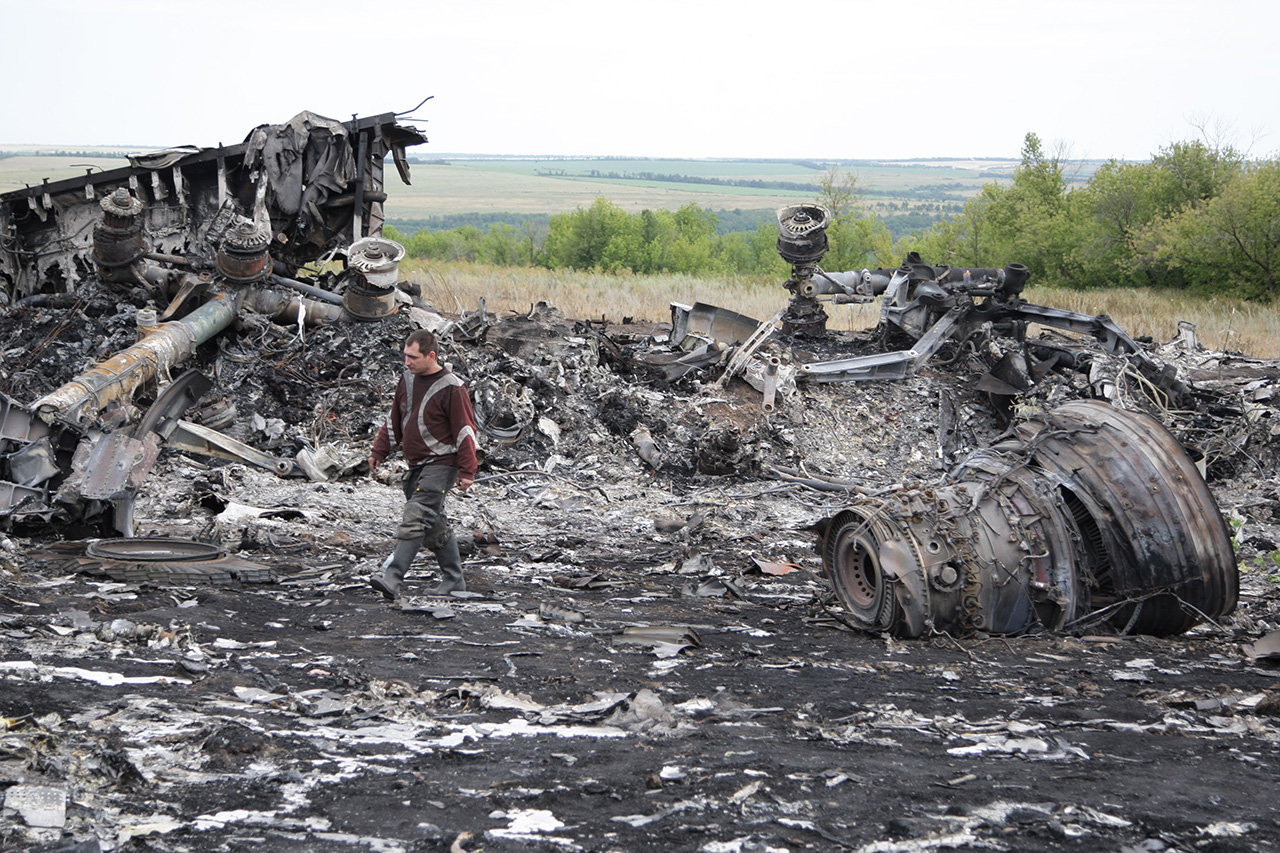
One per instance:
(1196, 216)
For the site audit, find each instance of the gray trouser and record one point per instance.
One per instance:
(424, 520)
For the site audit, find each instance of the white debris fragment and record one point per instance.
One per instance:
(123, 627)
(257, 696)
(697, 707)
(1092, 815)
(106, 679)
(1018, 727)
(550, 429)
(500, 699)
(740, 845)
(236, 513)
(532, 825)
(532, 820)
(235, 645)
(429, 320)
(1002, 744)
(666, 651)
(519, 726)
(1226, 829)
(272, 428)
(639, 820)
(218, 820)
(1129, 675)
(155, 826)
(39, 805)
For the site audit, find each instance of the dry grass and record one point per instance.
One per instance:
(454, 287)
(1223, 324)
(1251, 329)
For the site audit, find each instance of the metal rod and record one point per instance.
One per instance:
(309, 290)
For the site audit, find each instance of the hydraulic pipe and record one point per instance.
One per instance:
(119, 376)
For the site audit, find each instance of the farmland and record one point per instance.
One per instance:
(449, 185)
(22, 166)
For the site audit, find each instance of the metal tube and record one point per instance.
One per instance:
(119, 376)
(309, 290)
(160, 257)
(284, 308)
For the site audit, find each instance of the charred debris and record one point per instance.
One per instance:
(239, 303)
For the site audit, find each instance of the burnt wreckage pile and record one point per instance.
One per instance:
(1069, 511)
(195, 241)
(649, 657)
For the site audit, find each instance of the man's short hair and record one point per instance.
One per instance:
(425, 340)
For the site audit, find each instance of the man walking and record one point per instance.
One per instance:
(432, 422)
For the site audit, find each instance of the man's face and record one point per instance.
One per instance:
(419, 363)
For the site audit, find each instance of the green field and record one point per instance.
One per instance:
(892, 177)
(449, 190)
(27, 168)
(448, 184)
(452, 185)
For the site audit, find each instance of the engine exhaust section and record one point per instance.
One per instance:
(1083, 515)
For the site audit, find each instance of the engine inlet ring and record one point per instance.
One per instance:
(853, 565)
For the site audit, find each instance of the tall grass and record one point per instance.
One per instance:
(1224, 324)
(1232, 325)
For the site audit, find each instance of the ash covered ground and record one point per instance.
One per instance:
(649, 658)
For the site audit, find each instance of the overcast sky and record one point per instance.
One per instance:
(659, 78)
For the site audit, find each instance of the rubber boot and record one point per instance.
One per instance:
(451, 567)
(394, 569)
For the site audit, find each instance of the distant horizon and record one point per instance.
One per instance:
(417, 154)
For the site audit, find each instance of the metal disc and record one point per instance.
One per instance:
(153, 550)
